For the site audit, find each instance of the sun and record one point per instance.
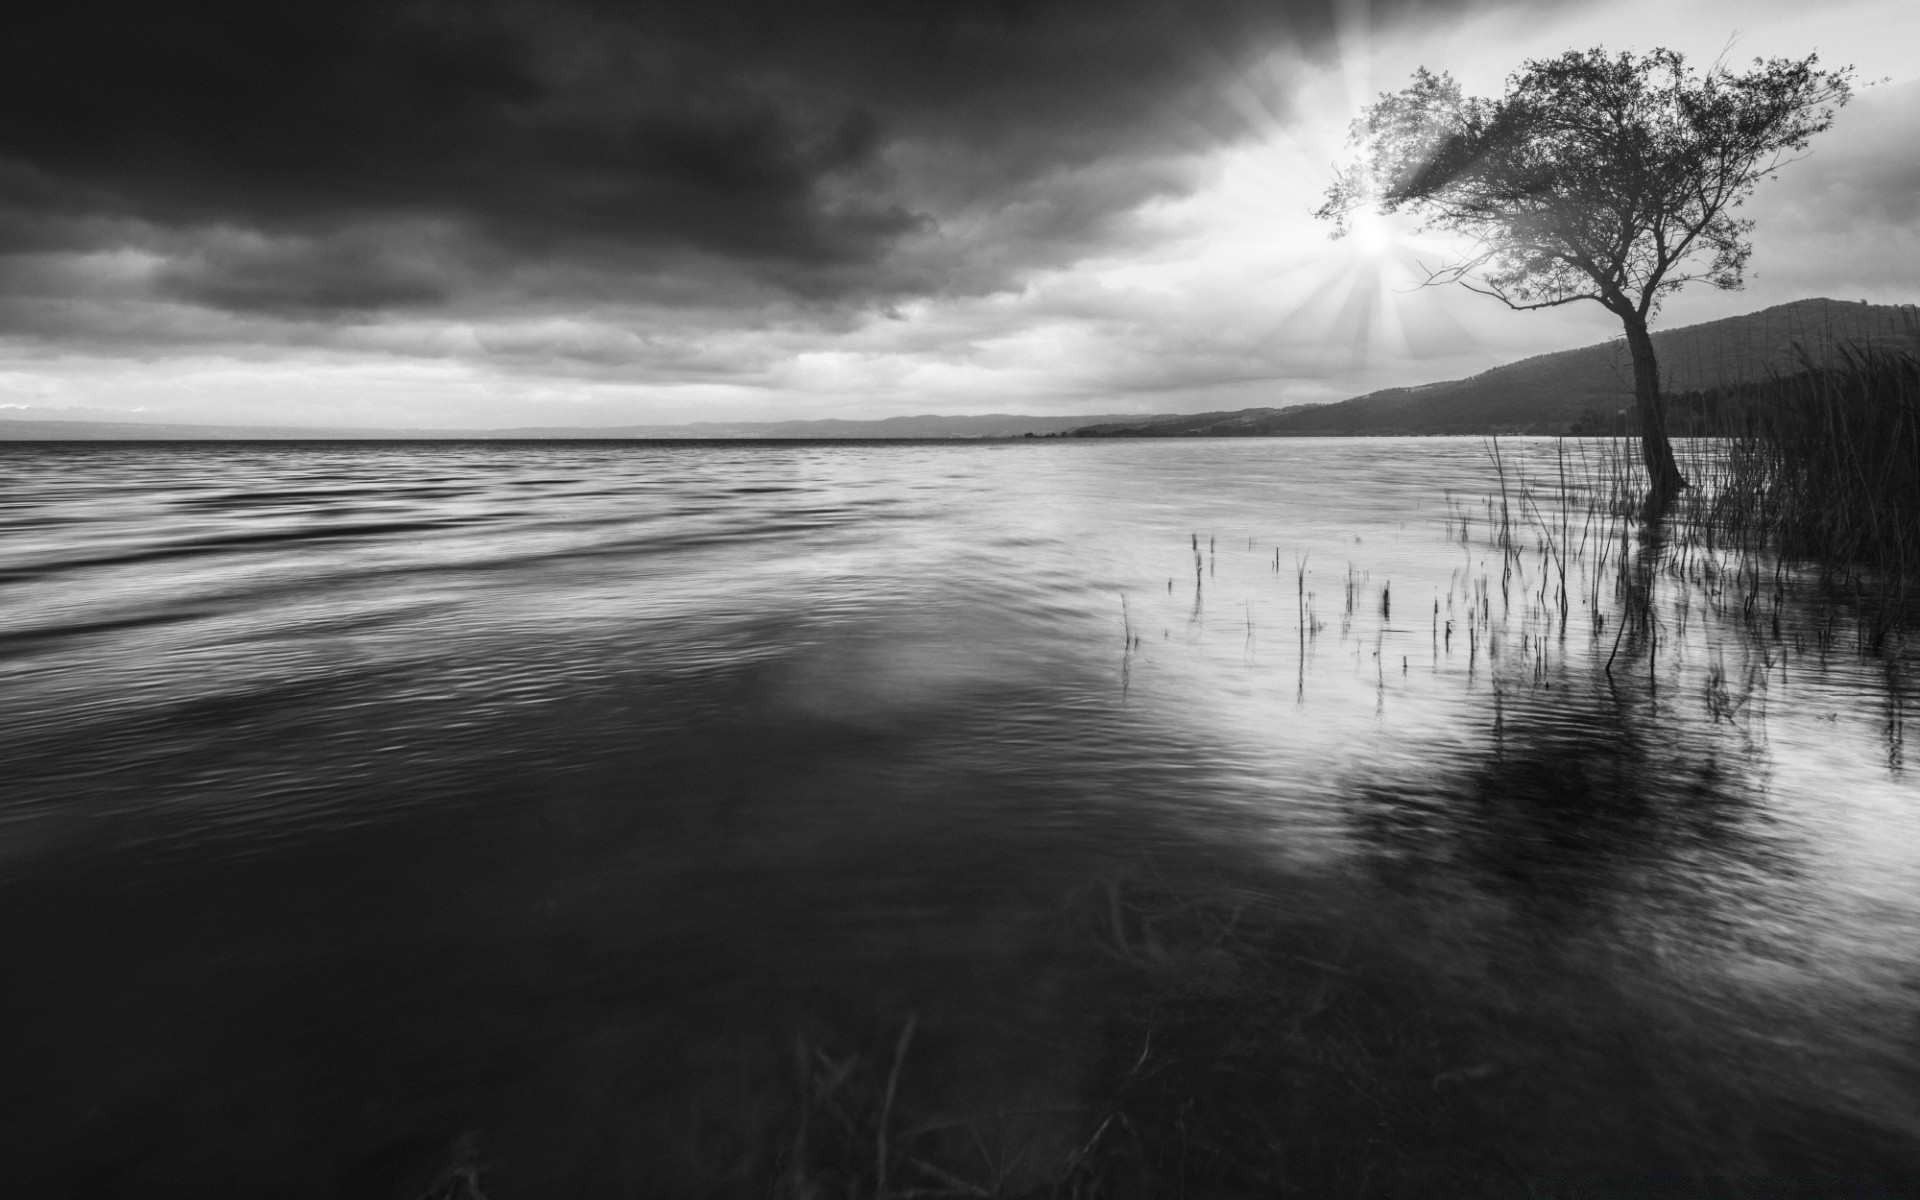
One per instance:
(1370, 234)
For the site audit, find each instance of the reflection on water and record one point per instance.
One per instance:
(612, 816)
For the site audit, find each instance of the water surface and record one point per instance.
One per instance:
(375, 807)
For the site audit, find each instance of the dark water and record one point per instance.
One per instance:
(560, 810)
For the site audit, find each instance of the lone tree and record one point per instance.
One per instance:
(1610, 178)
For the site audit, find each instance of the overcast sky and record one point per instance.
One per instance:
(585, 212)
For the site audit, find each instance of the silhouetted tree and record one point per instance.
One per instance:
(1610, 178)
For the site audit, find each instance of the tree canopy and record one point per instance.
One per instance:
(1606, 177)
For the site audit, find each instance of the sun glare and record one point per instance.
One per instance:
(1370, 234)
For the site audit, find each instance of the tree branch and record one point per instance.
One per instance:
(1496, 294)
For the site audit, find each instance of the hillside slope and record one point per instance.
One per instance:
(1551, 393)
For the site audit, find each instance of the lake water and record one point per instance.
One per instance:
(1038, 818)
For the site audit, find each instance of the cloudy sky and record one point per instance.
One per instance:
(591, 212)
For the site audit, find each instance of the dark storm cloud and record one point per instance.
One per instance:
(353, 271)
(282, 158)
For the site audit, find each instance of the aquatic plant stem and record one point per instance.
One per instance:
(886, 1106)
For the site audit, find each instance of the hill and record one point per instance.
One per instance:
(1571, 389)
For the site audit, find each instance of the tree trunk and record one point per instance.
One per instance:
(1663, 473)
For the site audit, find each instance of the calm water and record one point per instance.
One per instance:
(371, 808)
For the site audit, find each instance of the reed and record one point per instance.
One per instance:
(1825, 469)
(1805, 503)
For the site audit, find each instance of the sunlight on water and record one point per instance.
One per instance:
(508, 759)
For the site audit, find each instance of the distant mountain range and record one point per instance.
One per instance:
(992, 425)
(1548, 394)
(1555, 393)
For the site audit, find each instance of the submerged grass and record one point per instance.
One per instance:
(1308, 1041)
